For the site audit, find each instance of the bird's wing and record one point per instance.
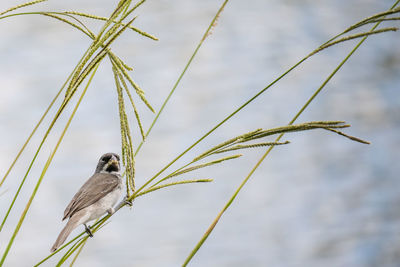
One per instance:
(99, 185)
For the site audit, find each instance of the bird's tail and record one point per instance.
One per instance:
(71, 225)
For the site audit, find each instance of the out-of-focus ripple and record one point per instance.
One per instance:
(320, 201)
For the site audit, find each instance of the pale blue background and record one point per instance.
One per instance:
(320, 201)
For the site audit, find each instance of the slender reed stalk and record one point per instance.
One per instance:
(355, 36)
(77, 254)
(76, 78)
(61, 248)
(105, 19)
(21, 6)
(207, 33)
(233, 197)
(70, 14)
(45, 170)
(31, 134)
(37, 151)
(137, 192)
(111, 30)
(71, 250)
(236, 111)
(127, 149)
(40, 120)
(172, 184)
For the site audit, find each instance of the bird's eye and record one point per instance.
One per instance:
(106, 159)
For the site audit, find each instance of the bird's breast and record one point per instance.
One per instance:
(100, 207)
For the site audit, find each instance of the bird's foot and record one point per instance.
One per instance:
(128, 202)
(111, 211)
(88, 230)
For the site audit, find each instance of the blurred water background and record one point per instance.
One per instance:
(320, 201)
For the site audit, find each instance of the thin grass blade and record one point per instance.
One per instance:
(21, 6)
(216, 220)
(22, 218)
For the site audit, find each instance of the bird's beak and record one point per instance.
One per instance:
(112, 161)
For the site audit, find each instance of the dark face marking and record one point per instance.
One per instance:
(112, 168)
(104, 161)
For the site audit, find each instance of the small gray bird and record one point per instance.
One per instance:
(96, 197)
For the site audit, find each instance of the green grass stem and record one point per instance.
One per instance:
(44, 172)
(21, 6)
(233, 197)
(210, 27)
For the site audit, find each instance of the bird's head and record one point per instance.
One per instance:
(109, 162)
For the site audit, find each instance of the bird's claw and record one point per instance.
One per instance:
(110, 211)
(128, 202)
(88, 230)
